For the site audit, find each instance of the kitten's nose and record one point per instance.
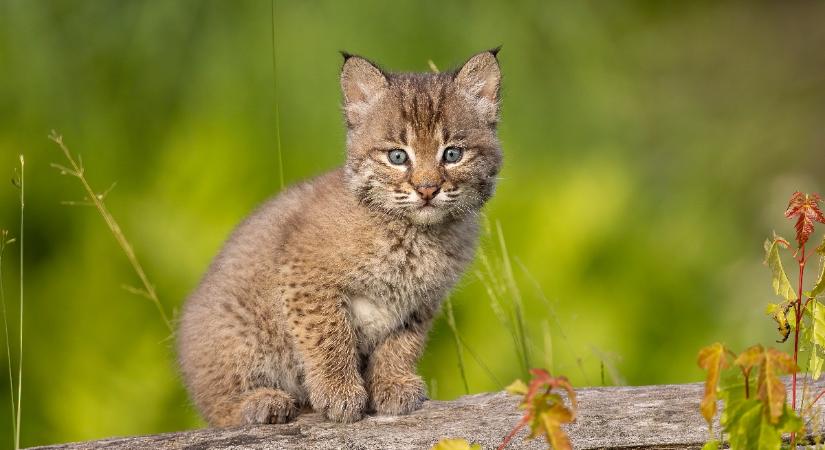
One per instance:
(427, 191)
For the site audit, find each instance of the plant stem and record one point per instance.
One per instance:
(818, 396)
(518, 303)
(513, 432)
(20, 356)
(277, 118)
(457, 339)
(798, 311)
(77, 171)
(480, 363)
(4, 234)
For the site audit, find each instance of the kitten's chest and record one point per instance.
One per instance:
(402, 276)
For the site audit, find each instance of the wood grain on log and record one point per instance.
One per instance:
(646, 417)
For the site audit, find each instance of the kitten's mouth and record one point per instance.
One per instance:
(427, 206)
(427, 214)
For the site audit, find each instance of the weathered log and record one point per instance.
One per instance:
(647, 417)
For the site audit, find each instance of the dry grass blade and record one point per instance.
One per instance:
(21, 184)
(76, 170)
(4, 241)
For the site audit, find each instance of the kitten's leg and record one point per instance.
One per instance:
(266, 405)
(393, 385)
(326, 342)
(227, 359)
(228, 396)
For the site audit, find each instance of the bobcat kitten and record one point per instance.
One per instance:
(323, 297)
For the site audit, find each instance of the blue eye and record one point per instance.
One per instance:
(452, 154)
(397, 156)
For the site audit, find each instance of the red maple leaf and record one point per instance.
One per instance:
(806, 210)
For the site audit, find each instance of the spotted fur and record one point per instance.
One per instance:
(324, 296)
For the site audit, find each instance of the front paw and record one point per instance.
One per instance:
(398, 396)
(266, 405)
(339, 402)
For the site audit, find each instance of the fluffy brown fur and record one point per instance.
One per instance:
(323, 297)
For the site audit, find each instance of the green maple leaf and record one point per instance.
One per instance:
(819, 287)
(749, 426)
(816, 336)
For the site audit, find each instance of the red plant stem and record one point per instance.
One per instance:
(818, 396)
(798, 311)
(515, 430)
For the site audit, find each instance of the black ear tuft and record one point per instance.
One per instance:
(347, 55)
(494, 51)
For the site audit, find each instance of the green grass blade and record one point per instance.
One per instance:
(481, 363)
(457, 339)
(277, 115)
(518, 303)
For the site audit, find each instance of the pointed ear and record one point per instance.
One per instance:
(480, 75)
(361, 83)
(480, 78)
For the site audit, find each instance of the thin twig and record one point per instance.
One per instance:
(77, 171)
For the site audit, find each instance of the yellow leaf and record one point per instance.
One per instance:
(712, 359)
(750, 358)
(552, 419)
(455, 444)
(771, 388)
(516, 388)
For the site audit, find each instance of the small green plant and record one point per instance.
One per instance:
(545, 411)
(756, 412)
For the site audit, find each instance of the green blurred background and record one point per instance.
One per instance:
(650, 148)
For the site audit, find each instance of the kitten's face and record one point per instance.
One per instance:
(422, 146)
